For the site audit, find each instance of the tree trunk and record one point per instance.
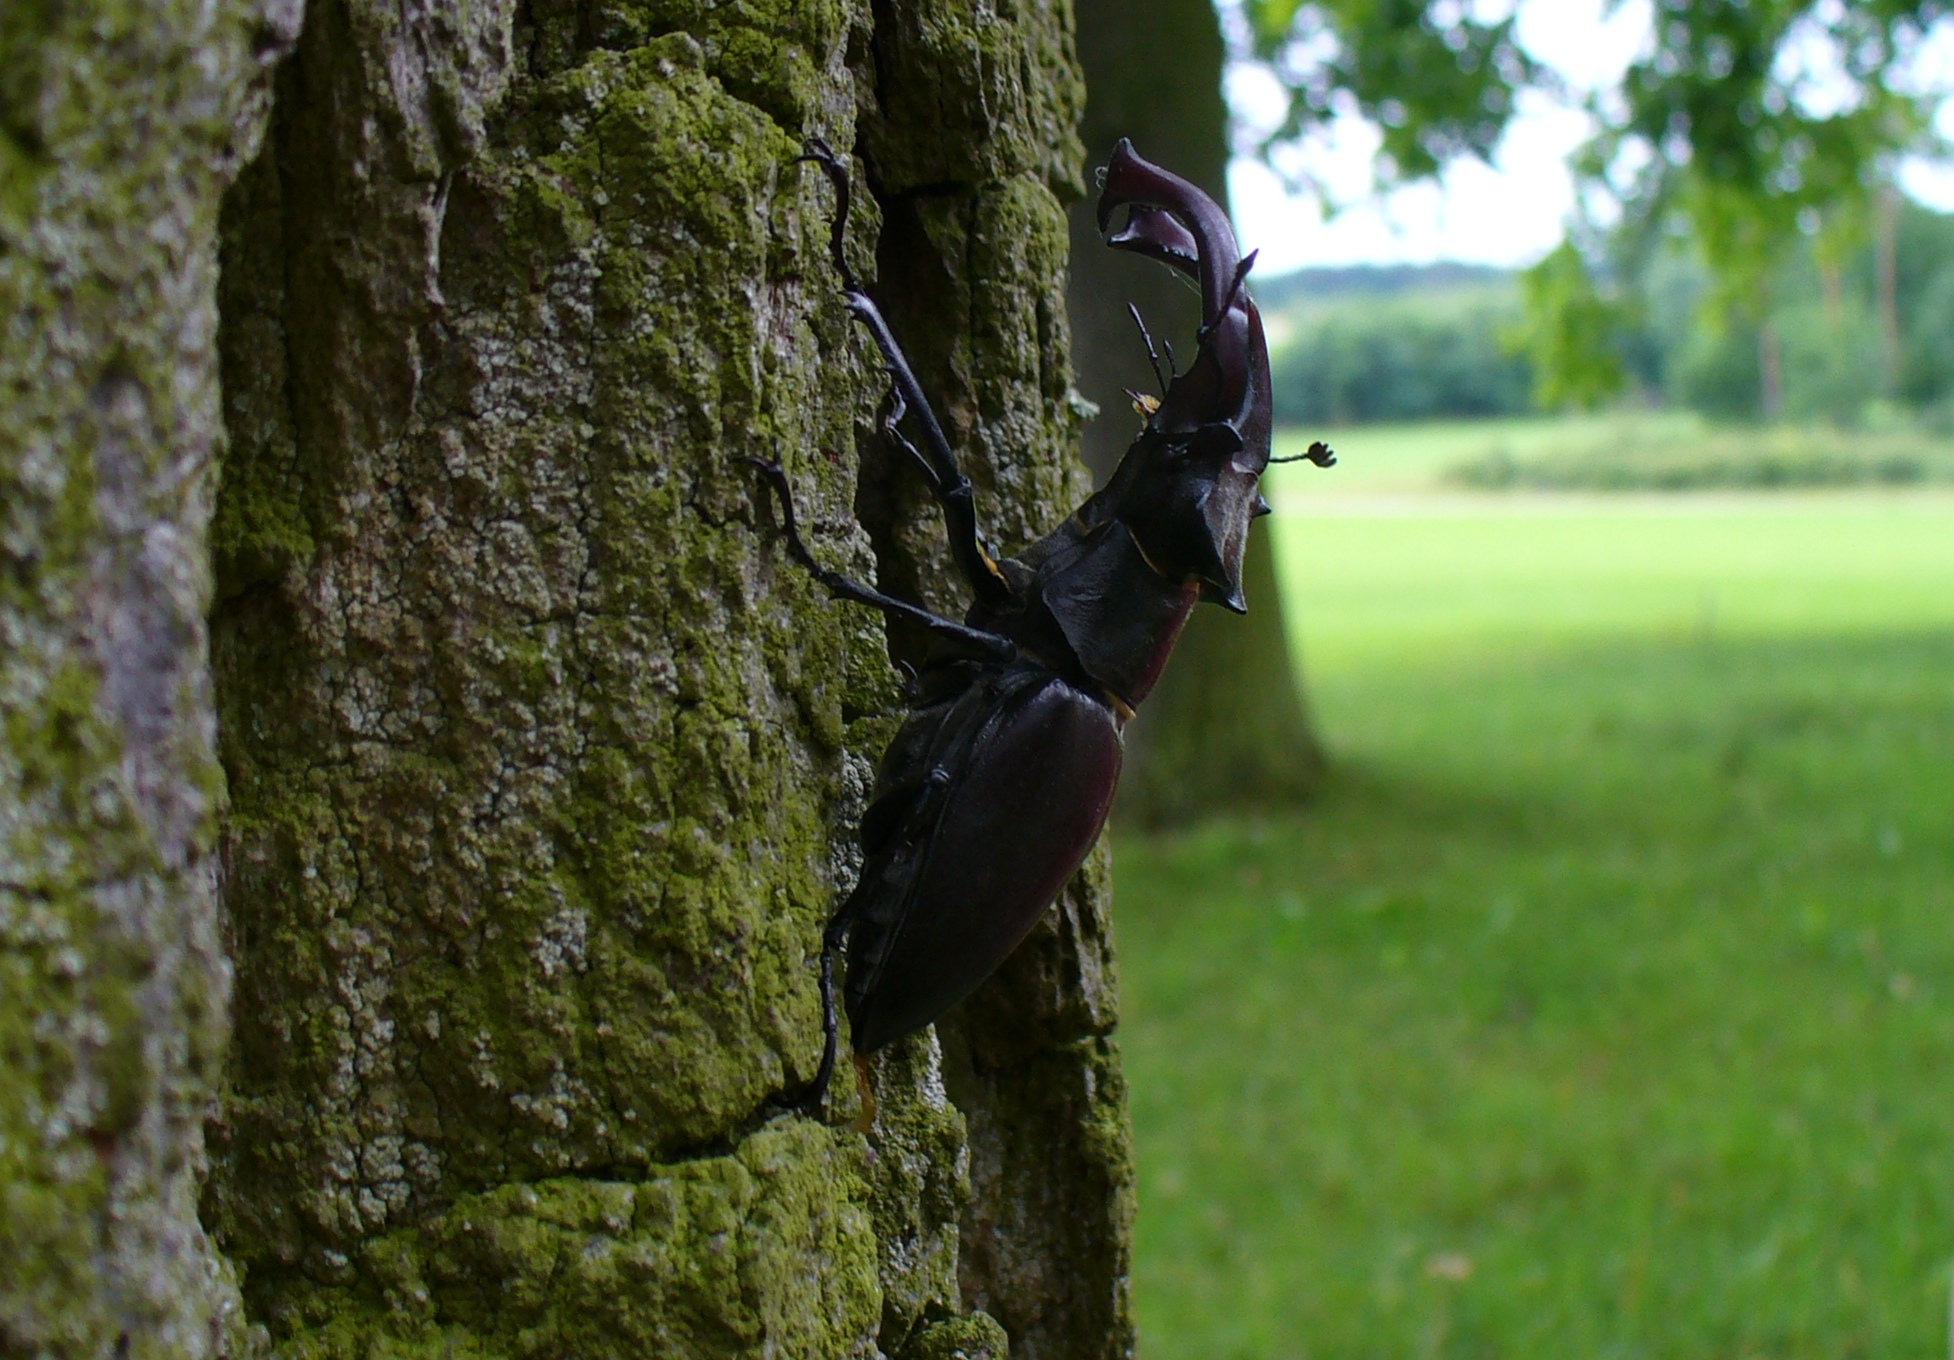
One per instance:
(119, 127)
(1770, 371)
(1886, 283)
(1226, 728)
(544, 760)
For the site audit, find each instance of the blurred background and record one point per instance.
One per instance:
(1536, 930)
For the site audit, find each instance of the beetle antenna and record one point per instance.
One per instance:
(1318, 453)
(1153, 355)
(819, 152)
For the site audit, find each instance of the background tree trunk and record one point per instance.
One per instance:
(119, 127)
(1227, 727)
(545, 762)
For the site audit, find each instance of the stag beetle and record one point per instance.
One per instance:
(1000, 779)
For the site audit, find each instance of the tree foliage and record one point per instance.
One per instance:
(1748, 123)
(1573, 332)
(1438, 83)
(1415, 355)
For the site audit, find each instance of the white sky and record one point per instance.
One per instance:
(1508, 213)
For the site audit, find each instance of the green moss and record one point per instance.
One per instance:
(62, 754)
(976, 1336)
(73, 1074)
(263, 526)
(118, 127)
(982, 94)
(777, 55)
(764, 1252)
(921, 1180)
(774, 61)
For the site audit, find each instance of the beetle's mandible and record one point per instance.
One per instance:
(1000, 779)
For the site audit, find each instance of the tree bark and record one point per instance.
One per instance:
(545, 762)
(119, 127)
(1226, 729)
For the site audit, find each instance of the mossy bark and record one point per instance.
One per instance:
(120, 125)
(1227, 728)
(544, 762)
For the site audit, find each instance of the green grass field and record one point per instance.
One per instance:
(1619, 450)
(1604, 1003)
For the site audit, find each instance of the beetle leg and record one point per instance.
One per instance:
(973, 640)
(938, 462)
(811, 1097)
(892, 426)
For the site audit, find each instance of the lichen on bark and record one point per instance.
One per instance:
(120, 125)
(544, 762)
(762, 1252)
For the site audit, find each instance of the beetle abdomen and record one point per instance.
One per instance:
(985, 846)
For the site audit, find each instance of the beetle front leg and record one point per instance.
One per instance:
(947, 483)
(973, 641)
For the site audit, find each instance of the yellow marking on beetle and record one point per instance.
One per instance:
(1143, 405)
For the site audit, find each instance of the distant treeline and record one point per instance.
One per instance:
(1413, 353)
(1871, 334)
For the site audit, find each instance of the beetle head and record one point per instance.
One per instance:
(1188, 487)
